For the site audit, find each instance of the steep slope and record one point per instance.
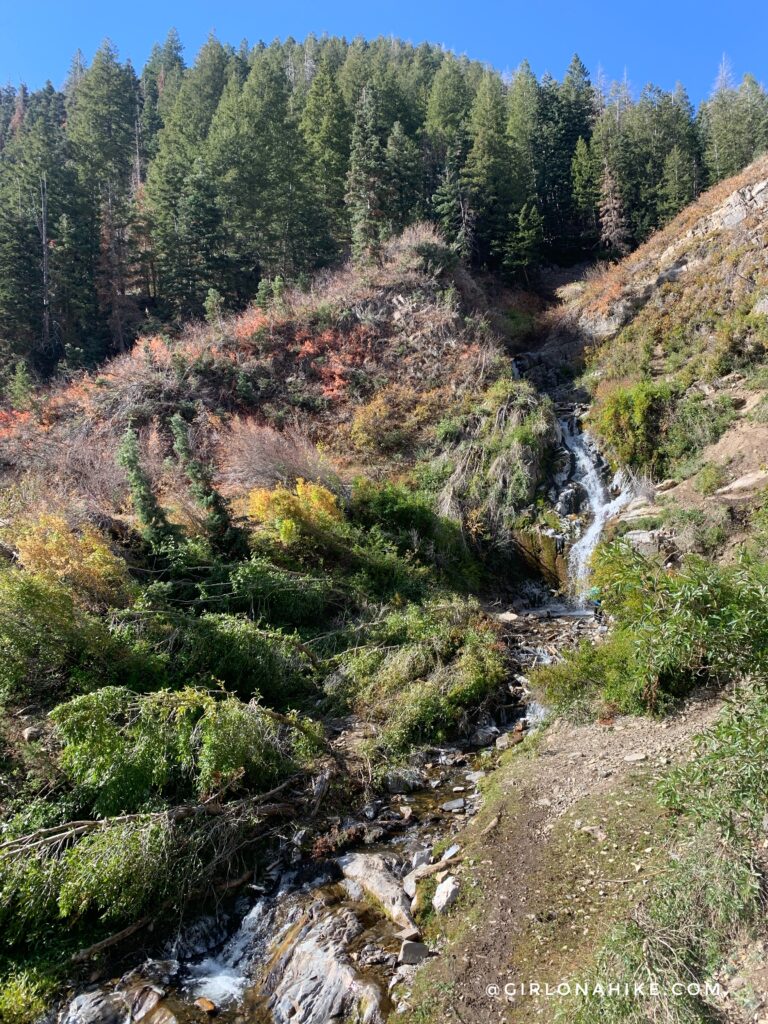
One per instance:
(670, 347)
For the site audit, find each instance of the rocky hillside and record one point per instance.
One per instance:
(670, 348)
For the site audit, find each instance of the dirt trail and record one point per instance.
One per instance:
(570, 834)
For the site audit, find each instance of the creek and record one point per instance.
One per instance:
(321, 940)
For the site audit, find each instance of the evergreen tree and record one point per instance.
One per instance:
(486, 171)
(326, 126)
(452, 208)
(101, 129)
(448, 109)
(678, 185)
(523, 126)
(524, 244)
(225, 538)
(367, 180)
(586, 191)
(614, 233)
(404, 172)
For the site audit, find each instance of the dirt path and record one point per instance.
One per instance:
(569, 836)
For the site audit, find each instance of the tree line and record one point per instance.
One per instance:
(133, 201)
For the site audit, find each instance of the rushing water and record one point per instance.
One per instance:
(589, 473)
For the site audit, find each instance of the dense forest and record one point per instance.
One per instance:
(130, 202)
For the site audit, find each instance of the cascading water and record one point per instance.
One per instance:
(589, 474)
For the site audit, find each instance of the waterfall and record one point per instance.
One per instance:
(589, 474)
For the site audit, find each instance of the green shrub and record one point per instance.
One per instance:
(421, 669)
(709, 478)
(122, 750)
(630, 420)
(25, 995)
(674, 628)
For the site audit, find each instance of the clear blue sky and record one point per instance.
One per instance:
(654, 41)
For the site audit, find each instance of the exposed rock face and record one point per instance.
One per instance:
(371, 872)
(314, 980)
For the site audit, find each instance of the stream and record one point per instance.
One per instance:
(335, 938)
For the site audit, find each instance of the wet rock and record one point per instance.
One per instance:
(97, 1008)
(446, 894)
(142, 1000)
(509, 739)
(353, 889)
(311, 978)
(206, 1005)
(403, 780)
(420, 858)
(453, 806)
(160, 1015)
(372, 873)
(412, 953)
(484, 736)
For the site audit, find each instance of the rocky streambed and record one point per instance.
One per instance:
(336, 937)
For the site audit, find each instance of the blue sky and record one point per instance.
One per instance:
(652, 40)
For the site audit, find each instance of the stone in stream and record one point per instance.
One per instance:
(371, 872)
(97, 1008)
(310, 978)
(412, 953)
(420, 858)
(484, 736)
(206, 1005)
(453, 806)
(446, 894)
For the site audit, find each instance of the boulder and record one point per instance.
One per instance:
(453, 806)
(372, 873)
(412, 953)
(97, 1008)
(484, 736)
(446, 894)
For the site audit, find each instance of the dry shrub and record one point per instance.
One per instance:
(81, 559)
(393, 420)
(252, 455)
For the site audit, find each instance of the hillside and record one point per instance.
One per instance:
(221, 550)
(301, 685)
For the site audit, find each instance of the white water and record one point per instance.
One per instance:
(601, 505)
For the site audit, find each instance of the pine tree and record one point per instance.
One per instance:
(367, 182)
(524, 244)
(586, 190)
(404, 172)
(678, 184)
(154, 522)
(177, 188)
(272, 217)
(448, 109)
(326, 126)
(486, 171)
(452, 209)
(225, 538)
(523, 126)
(102, 131)
(614, 233)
